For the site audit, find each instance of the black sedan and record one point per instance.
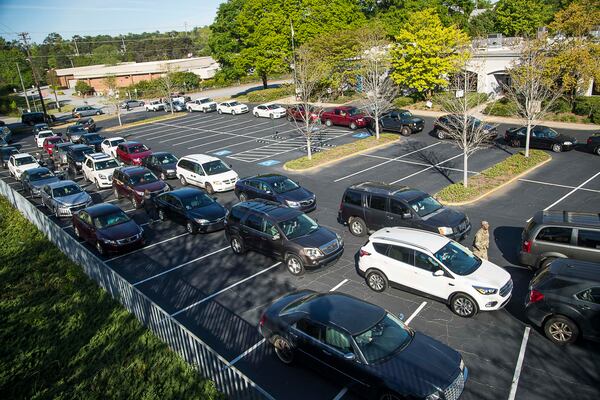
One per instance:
(277, 188)
(542, 137)
(369, 349)
(401, 121)
(162, 164)
(593, 144)
(34, 179)
(88, 124)
(93, 140)
(455, 122)
(193, 208)
(75, 132)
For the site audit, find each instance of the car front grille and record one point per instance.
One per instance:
(129, 239)
(456, 388)
(306, 203)
(463, 226)
(229, 181)
(330, 247)
(506, 289)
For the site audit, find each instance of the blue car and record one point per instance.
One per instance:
(277, 188)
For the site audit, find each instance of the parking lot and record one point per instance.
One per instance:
(219, 296)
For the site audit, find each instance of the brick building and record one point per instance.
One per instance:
(131, 72)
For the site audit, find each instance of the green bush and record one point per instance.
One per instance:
(83, 88)
(403, 101)
(501, 108)
(265, 95)
(561, 106)
(588, 107)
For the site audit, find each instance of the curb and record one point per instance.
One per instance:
(486, 194)
(143, 122)
(331, 162)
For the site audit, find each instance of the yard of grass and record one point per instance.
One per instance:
(65, 338)
(492, 178)
(340, 152)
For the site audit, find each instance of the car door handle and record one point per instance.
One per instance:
(582, 307)
(450, 284)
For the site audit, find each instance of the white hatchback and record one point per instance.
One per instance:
(18, 163)
(436, 266)
(109, 145)
(207, 172)
(269, 110)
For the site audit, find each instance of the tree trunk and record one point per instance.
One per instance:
(377, 126)
(308, 148)
(527, 137)
(119, 116)
(465, 169)
(264, 81)
(171, 103)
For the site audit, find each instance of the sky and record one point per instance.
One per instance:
(81, 17)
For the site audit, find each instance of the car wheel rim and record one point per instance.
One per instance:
(294, 265)
(190, 227)
(163, 176)
(560, 331)
(236, 245)
(182, 180)
(77, 232)
(243, 197)
(376, 282)
(440, 135)
(161, 215)
(556, 148)
(357, 228)
(283, 351)
(99, 248)
(463, 306)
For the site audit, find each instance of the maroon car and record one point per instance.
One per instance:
(132, 182)
(297, 113)
(348, 116)
(107, 228)
(132, 152)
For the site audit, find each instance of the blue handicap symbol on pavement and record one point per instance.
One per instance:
(361, 135)
(268, 163)
(222, 153)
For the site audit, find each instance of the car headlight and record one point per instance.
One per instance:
(462, 364)
(102, 176)
(139, 193)
(292, 203)
(108, 241)
(312, 252)
(485, 290)
(202, 221)
(445, 230)
(567, 143)
(136, 159)
(433, 396)
(170, 171)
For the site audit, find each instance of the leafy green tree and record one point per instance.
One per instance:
(482, 24)
(426, 52)
(185, 80)
(83, 88)
(9, 76)
(521, 17)
(105, 54)
(225, 41)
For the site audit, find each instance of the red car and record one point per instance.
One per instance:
(348, 116)
(50, 142)
(296, 113)
(132, 182)
(132, 152)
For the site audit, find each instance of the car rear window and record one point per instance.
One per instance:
(555, 234)
(588, 239)
(353, 198)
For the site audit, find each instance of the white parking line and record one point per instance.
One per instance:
(181, 265)
(341, 394)
(414, 314)
(386, 162)
(249, 135)
(557, 185)
(146, 247)
(515, 380)
(336, 287)
(416, 163)
(244, 354)
(571, 192)
(427, 169)
(225, 289)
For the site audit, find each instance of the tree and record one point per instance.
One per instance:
(532, 87)
(167, 84)
(482, 24)
(521, 17)
(83, 88)
(113, 95)
(426, 52)
(185, 80)
(225, 41)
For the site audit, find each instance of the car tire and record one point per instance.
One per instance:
(597, 151)
(189, 110)
(545, 262)
(440, 134)
(161, 215)
(328, 122)
(209, 188)
(271, 116)
(353, 126)
(283, 350)
(219, 112)
(405, 131)
(376, 281)
(116, 193)
(289, 118)
(243, 197)
(136, 203)
(463, 305)
(204, 110)
(557, 148)
(98, 113)
(237, 245)
(561, 330)
(357, 226)
(191, 227)
(163, 176)
(99, 248)
(97, 184)
(77, 233)
(255, 115)
(232, 112)
(294, 265)
(183, 180)
(515, 143)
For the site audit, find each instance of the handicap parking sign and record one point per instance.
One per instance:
(268, 163)
(361, 135)
(222, 153)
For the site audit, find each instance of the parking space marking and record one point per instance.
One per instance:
(146, 247)
(414, 314)
(225, 289)
(386, 162)
(161, 131)
(572, 191)
(214, 133)
(557, 185)
(336, 287)
(244, 354)
(181, 266)
(427, 169)
(417, 163)
(515, 380)
(253, 139)
(341, 394)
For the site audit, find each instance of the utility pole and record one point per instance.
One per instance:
(23, 87)
(123, 45)
(52, 74)
(76, 48)
(294, 60)
(25, 38)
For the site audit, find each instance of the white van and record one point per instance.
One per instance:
(207, 172)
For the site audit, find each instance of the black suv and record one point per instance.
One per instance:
(401, 121)
(564, 300)
(33, 118)
(560, 234)
(282, 233)
(375, 205)
(76, 157)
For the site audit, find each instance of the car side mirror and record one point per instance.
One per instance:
(438, 272)
(276, 236)
(406, 215)
(401, 317)
(349, 357)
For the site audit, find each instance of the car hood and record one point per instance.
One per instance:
(489, 275)
(224, 176)
(170, 166)
(76, 198)
(25, 167)
(299, 194)
(211, 212)
(565, 138)
(38, 184)
(423, 367)
(120, 231)
(416, 120)
(152, 186)
(96, 141)
(240, 107)
(316, 239)
(444, 217)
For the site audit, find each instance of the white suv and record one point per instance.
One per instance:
(435, 265)
(99, 168)
(21, 162)
(208, 172)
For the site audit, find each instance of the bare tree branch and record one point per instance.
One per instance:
(113, 95)
(167, 85)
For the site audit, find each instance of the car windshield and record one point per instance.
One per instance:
(66, 190)
(387, 337)
(196, 201)
(112, 219)
(425, 205)
(40, 175)
(76, 129)
(116, 142)
(405, 114)
(138, 148)
(234, 103)
(24, 160)
(203, 101)
(284, 185)
(142, 179)
(215, 167)
(458, 258)
(93, 137)
(165, 158)
(107, 164)
(298, 226)
(46, 134)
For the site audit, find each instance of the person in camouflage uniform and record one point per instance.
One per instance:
(481, 243)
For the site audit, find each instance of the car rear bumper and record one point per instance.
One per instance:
(535, 314)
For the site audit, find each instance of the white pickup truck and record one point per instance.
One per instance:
(204, 104)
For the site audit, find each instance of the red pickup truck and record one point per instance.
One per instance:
(348, 116)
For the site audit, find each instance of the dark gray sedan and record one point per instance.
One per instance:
(64, 198)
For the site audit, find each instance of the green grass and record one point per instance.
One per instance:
(339, 152)
(65, 338)
(492, 177)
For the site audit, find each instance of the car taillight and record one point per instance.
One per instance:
(535, 296)
(506, 136)
(589, 141)
(526, 246)
(363, 253)
(262, 321)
